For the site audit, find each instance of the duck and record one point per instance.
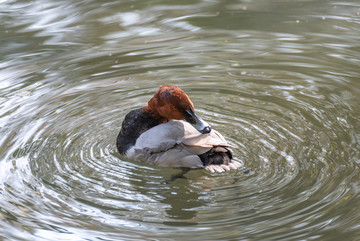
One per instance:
(168, 133)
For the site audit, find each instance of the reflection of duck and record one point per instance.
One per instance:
(167, 132)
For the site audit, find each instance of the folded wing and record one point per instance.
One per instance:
(176, 144)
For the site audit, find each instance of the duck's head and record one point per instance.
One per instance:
(171, 102)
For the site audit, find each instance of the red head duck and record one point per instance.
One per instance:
(167, 132)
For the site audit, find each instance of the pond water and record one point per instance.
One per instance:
(280, 79)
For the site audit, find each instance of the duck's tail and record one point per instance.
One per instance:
(218, 159)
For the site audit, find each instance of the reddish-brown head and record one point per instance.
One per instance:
(171, 102)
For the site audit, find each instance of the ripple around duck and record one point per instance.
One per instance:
(70, 169)
(288, 103)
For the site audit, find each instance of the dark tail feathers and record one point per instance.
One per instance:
(216, 156)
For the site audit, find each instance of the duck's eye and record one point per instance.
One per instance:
(173, 108)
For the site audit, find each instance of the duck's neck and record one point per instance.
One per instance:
(155, 114)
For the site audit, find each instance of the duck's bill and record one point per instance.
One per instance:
(199, 124)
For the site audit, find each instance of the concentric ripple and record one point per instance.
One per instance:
(280, 80)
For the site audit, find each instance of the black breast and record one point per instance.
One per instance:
(135, 123)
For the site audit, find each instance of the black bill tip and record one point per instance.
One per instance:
(206, 130)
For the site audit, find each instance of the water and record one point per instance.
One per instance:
(279, 79)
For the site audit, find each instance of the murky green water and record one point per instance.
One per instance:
(279, 79)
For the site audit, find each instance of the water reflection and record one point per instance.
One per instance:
(278, 79)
